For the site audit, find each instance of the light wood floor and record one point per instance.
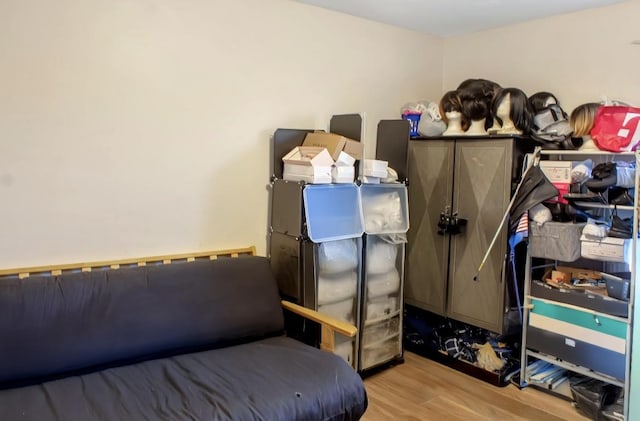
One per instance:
(422, 389)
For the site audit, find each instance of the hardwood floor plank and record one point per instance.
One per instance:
(422, 389)
(444, 408)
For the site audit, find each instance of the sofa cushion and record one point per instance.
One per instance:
(80, 321)
(271, 379)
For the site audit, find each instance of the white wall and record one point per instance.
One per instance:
(140, 128)
(579, 56)
(134, 128)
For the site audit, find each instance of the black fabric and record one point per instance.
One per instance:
(621, 228)
(604, 170)
(534, 189)
(56, 324)
(603, 176)
(591, 396)
(272, 379)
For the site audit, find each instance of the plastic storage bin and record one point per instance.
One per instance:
(380, 307)
(556, 240)
(342, 310)
(381, 352)
(385, 208)
(381, 331)
(383, 284)
(333, 212)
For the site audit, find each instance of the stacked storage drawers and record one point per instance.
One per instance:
(583, 328)
(578, 335)
(386, 221)
(315, 249)
(338, 284)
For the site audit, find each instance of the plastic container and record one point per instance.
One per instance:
(343, 347)
(342, 310)
(380, 353)
(556, 240)
(381, 331)
(380, 307)
(413, 119)
(385, 208)
(337, 287)
(337, 256)
(381, 256)
(383, 284)
(333, 212)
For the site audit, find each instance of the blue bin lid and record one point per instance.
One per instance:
(333, 212)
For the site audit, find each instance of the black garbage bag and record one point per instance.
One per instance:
(592, 396)
(615, 411)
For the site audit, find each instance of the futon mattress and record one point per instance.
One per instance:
(245, 382)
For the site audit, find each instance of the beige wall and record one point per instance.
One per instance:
(140, 128)
(133, 128)
(579, 57)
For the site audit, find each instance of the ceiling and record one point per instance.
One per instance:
(455, 17)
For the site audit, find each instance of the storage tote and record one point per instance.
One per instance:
(556, 240)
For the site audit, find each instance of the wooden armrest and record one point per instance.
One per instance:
(329, 326)
(338, 326)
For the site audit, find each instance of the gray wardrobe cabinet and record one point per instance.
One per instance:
(459, 190)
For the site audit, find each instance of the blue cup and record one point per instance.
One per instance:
(413, 119)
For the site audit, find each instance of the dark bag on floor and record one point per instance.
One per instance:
(591, 396)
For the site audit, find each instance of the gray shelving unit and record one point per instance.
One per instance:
(386, 221)
(315, 240)
(321, 256)
(606, 355)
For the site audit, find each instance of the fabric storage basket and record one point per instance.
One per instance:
(556, 240)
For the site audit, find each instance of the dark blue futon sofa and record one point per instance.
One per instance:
(200, 340)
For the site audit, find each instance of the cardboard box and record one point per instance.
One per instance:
(559, 276)
(343, 174)
(309, 164)
(579, 273)
(334, 144)
(375, 168)
(366, 179)
(343, 171)
(345, 160)
(354, 148)
(559, 173)
(609, 248)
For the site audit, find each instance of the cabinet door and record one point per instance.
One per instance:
(430, 189)
(481, 194)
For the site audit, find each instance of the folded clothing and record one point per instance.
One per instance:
(625, 174)
(595, 229)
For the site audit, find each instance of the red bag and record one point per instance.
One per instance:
(616, 128)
